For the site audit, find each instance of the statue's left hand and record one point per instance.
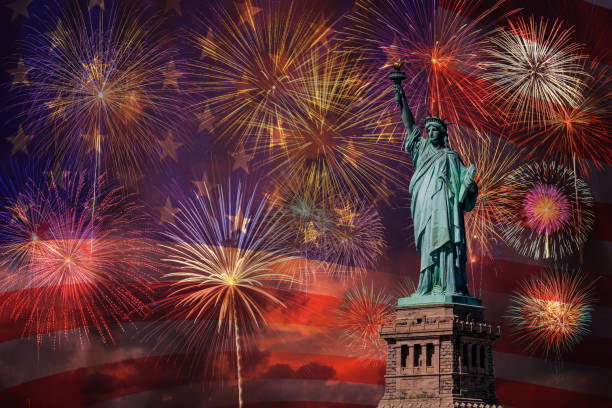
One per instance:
(399, 94)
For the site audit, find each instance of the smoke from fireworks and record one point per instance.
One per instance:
(67, 270)
(548, 211)
(534, 67)
(97, 87)
(360, 315)
(248, 55)
(226, 250)
(552, 311)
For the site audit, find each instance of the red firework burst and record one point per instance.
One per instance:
(70, 270)
(443, 51)
(552, 311)
(578, 135)
(360, 316)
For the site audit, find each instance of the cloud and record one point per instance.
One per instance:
(311, 371)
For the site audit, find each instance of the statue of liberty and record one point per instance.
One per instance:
(442, 188)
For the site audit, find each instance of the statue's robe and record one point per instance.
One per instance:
(437, 212)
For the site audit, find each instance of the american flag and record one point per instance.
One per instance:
(297, 361)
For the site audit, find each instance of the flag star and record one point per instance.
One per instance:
(385, 194)
(57, 106)
(207, 120)
(277, 136)
(207, 42)
(19, 74)
(346, 215)
(167, 212)
(324, 32)
(94, 141)
(392, 51)
(202, 185)
(239, 221)
(352, 154)
(95, 69)
(20, 141)
(130, 179)
(241, 160)
(55, 37)
(274, 197)
(311, 234)
(169, 147)
(247, 11)
(95, 3)
(20, 8)
(173, 5)
(171, 75)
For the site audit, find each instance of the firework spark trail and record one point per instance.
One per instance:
(360, 315)
(81, 276)
(552, 311)
(442, 51)
(96, 85)
(577, 135)
(544, 215)
(534, 67)
(248, 55)
(355, 240)
(226, 250)
(493, 159)
(333, 129)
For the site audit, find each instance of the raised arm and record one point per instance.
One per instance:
(413, 134)
(400, 100)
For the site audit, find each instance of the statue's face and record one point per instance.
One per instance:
(436, 134)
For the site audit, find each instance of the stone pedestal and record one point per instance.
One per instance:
(439, 355)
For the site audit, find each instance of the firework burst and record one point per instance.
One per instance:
(355, 240)
(360, 315)
(227, 249)
(96, 88)
(441, 49)
(337, 236)
(534, 67)
(68, 271)
(494, 160)
(248, 55)
(577, 135)
(552, 311)
(334, 130)
(548, 211)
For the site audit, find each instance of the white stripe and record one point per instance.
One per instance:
(601, 3)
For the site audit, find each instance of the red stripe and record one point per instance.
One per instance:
(602, 229)
(91, 385)
(525, 395)
(301, 404)
(315, 312)
(591, 350)
(503, 276)
(88, 385)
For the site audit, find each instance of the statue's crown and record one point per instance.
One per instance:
(436, 119)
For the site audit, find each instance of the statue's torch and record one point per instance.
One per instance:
(397, 76)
